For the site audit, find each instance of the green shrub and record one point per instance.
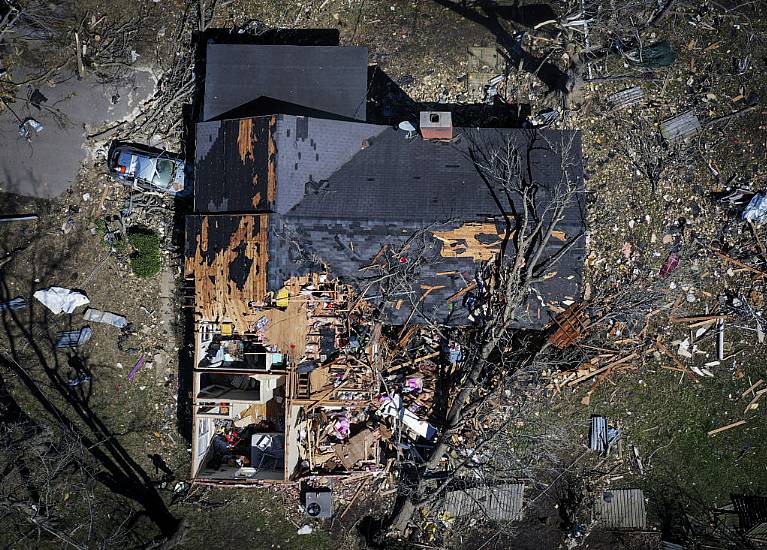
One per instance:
(145, 261)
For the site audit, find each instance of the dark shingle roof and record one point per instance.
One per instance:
(338, 191)
(324, 78)
(395, 189)
(232, 166)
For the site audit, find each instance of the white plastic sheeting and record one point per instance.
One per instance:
(59, 299)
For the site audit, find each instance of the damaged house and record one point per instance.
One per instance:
(297, 200)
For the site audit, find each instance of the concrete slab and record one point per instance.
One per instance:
(46, 164)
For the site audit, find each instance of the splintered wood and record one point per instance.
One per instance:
(463, 241)
(229, 270)
(593, 369)
(572, 323)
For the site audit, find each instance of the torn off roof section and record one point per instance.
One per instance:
(330, 79)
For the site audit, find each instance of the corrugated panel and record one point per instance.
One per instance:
(500, 502)
(621, 509)
(672, 546)
(759, 532)
(680, 127)
(751, 509)
(626, 98)
(598, 435)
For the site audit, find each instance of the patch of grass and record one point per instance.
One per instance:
(669, 422)
(111, 240)
(248, 518)
(145, 260)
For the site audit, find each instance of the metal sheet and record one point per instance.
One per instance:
(621, 509)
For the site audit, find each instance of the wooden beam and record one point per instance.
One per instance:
(324, 394)
(602, 369)
(712, 433)
(461, 292)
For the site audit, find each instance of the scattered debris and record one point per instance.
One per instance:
(18, 218)
(756, 210)
(28, 123)
(572, 324)
(602, 436)
(13, 305)
(74, 338)
(660, 54)
(625, 98)
(79, 380)
(669, 266)
(680, 127)
(98, 316)
(134, 371)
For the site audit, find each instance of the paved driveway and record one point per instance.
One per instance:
(46, 165)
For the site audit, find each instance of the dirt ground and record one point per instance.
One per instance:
(665, 414)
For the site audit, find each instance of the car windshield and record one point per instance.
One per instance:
(163, 173)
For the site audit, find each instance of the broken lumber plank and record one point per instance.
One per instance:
(354, 498)
(324, 394)
(696, 318)
(712, 433)
(753, 387)
(614, 364)
(18, 218)
(732, 260)
(754, 402)
(463, 291)
(681, 366)
(415, 361)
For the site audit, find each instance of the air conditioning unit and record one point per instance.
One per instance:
(319, 504)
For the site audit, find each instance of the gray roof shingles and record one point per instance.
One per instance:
(368, 185)
(324, 78)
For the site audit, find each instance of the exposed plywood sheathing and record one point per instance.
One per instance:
(227, 257)
(287, 329)
(246, 140)
(463, 241)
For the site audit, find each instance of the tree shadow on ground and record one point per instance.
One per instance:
(493, 18)
(46, 374)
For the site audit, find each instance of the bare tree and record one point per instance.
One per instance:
(526, 256)
(50, 488)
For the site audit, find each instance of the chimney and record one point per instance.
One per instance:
(436, 125)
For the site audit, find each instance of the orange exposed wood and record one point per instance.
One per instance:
(288, 329)
(463, 242)
(218, 296)
(471, 286)
(246, 141)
